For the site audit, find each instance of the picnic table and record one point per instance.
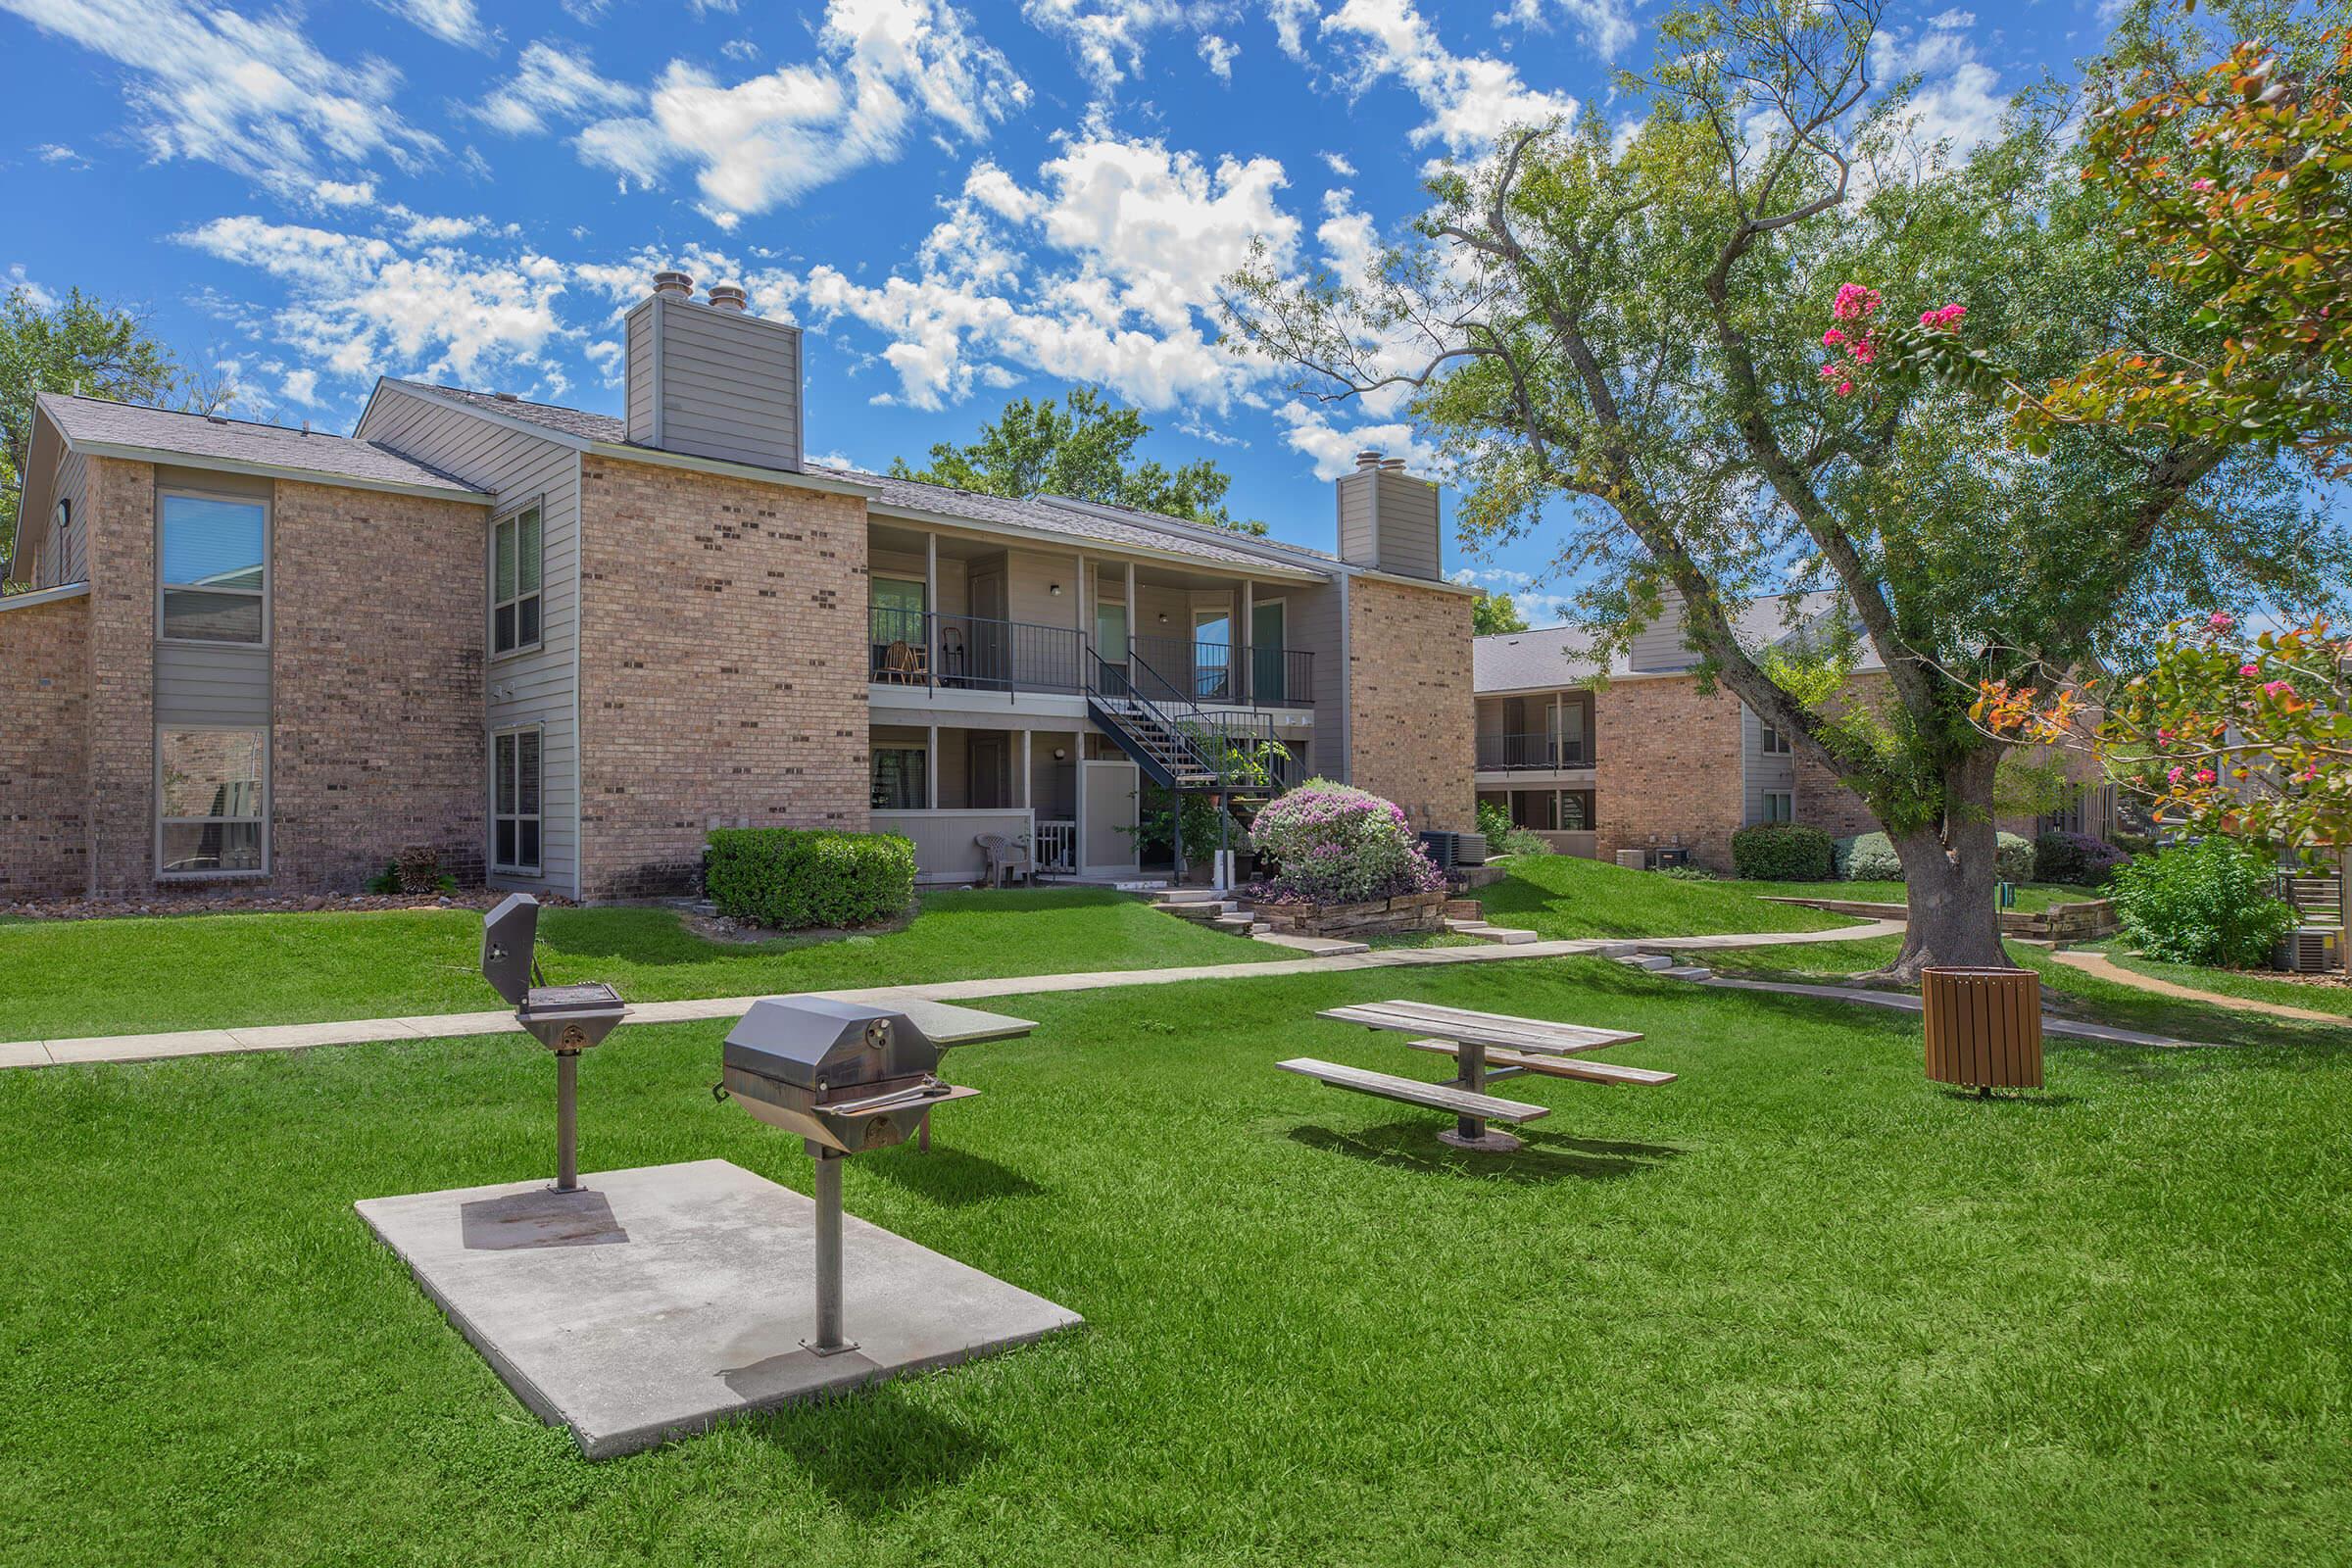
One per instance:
(950, 1025)
(1485, 1046)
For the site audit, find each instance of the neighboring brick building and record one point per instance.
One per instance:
(1645, 761)
(555, 647)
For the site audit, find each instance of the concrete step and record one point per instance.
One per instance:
(1240, 920)
(1688, 971)
(1318, 946)
(1646, 961)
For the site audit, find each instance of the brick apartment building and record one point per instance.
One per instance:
(557, 647)
(1643, 761)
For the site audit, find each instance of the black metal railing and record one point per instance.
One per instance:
(1508, 752)
(972, 653)
(1230, 672)
(1222, 751)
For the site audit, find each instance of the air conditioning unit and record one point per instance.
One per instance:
(1453, 851)
(1634, 859)
(2309, 950)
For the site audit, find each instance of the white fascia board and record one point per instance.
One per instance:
(45, 596)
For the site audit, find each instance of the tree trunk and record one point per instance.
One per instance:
(1950, 877)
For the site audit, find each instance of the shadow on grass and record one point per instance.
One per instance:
(1548, 1158)
(2022, 1098)
(874, 1450)
(950, 1177)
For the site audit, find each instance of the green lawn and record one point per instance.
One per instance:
(2236, 982)
(1796, 1307)
(1564, 896)
(125, 976)
(2030, 896)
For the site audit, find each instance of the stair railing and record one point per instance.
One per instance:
(1185, 723)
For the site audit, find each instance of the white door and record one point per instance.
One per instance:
(1108, 805)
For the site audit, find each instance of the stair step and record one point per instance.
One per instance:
(1315, 947)
(1688, 971)
(1646, 961)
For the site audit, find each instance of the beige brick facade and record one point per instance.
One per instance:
(1666, 764)
(1410, 713)
(722, 667)
(45, 749)
(119, 519)
(377, 684)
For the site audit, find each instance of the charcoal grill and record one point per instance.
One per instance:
(847, 1078)
(565, 1019)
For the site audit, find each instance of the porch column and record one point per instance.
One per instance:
(1245, 681)
(1027, 774)
(1085, 627)
(931, 769)
(1134, 626)
(931, 613)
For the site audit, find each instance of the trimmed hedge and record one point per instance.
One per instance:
(1871, 858)
(1782, 852)
(788, 878)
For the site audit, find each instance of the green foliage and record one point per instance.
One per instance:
(2013, 858)
(1492, 614)
(1866, 857)
(1523, 841)
(2075, 857)
(79, 342)
(1329, 843)
(789, 878)
(1687, 873)
(1495, 822)
(1086, 454)
(2211, 903)
(1154, 827)
(1782, 852)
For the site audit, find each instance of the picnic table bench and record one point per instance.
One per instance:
(1485, 1046)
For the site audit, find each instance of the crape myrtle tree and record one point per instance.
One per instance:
(1619, 335)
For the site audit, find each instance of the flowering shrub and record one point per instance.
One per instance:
(2076, 858)
(1858, 341)
(1329, 843)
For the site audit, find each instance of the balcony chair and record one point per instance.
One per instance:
(904, 663)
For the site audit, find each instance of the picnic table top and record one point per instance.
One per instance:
(951, 1025)
(1471, 1027)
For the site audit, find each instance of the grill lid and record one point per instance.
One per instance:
(804, 1040)
(510, 934)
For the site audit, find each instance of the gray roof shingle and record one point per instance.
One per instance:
(1074, 520)
(85, 421)
(1547, 656)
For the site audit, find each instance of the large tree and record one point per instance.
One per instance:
(77, 345)
(1493, 613)
(1086, 453)
(1620, 336)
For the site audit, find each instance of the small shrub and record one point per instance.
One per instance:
(2076, 858)
(1495, 822)
(789, 878)
(2211, 903)
(1866, 857)
(1782, 852)
(1523, 841)
(2012, 858)
(1687, 873)
(1329, 843)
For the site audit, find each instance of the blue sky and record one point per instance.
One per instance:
(963, 203)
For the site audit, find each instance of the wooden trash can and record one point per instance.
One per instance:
(1984, 1027)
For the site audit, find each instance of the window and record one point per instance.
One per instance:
(897, 610)
(212, 816)
(1212, 655)
(898, 779)
(214, 569)
(1776, 744)
(514, 583)
(1780, 806)
(515, 820)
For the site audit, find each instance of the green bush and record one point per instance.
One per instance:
(2012, 858)
(2075, 859)
(1782, 852)
(1496, 823)
(2213, 902)
(1865, 857)
(1520, 841)
(788, 878)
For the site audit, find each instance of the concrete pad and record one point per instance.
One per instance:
(142, 1048)
(450, 1025)
(24, 1054)
(298, 1036)
(660, 1301)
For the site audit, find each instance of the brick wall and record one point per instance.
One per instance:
(45, 749)
(120, 513)
(722, 667)
(1825, 803)
(376, 674)
(1410, 707)
(1666, 760)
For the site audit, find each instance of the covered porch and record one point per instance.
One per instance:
(1057, 788)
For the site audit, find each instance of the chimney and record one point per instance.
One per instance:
(1388, 519)
(711, 379)
(1660, 645)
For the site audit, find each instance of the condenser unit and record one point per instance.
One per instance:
(2309, 950)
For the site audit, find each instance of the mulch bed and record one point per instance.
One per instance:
(153, 904)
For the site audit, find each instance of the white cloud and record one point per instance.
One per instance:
(253, 95)
(1339, 164)
(553, 82)
(17, 280)
(766, 140)
(450, 20)
(342, 193)
(1471, 99)
(740, 49)
(1541, 607)
(1956, 102)
(1219, 56)
(1333, 448)
(300, 386)
(707, 8)
(1108, 35)
(52, 152)
(1604, 24)
(359, 305)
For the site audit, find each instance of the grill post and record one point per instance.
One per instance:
(829, 1339)
(567, 1121)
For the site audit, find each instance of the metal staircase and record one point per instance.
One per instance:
(1177, 744)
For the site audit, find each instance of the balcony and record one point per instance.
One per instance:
(1540, 752)
(969, 653)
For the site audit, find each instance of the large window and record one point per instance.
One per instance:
(214, 567)
(211, 802)
(898, 779)
(514, 583)
(515, 817)
(1780, 806)
(897, 610)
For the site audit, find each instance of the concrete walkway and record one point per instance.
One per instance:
(449, 1025)
(1905, 1002)
(2106, 969)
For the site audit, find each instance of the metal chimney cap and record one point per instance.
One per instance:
(1392, 465)
(728, 296)
(677, 285)
(1369, 458)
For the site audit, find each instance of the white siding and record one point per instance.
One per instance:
(539, 686)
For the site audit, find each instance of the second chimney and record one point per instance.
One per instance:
(1388, 519)
(712, 379)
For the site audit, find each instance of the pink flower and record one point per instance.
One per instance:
(2221, 621)
(1843, 387)
(1829, 369)
(2277, 689)
(1854, 301)
(1948, 316)
(2204, 775)
(2200, 184)
(2175, 775)
(1831, 338)
(1866, 352)
(2249, 670)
